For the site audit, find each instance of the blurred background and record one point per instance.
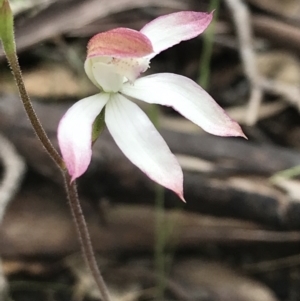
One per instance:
(238, 236)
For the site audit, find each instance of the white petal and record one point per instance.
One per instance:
(141, 143)
(108, 73)
(75, 133)
(107, 78)
(167, 31)
(89, 72)
(188, 98)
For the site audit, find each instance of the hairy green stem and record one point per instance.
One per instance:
(82, 230)
(8, 42)
(9, 46)
(36, 124)
(84, 237)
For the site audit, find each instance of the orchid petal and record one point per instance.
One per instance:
(75, 133)
(141, 143)
(88, 67)
(186, 97)
(169, 30)
(108, 73)
(119, 43)
(106, 77)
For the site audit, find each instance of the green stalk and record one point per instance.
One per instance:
(286, 174)
(208, 40)
(8, 42)
(160, 230)
(9, 46)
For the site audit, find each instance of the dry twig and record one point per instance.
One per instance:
(241, 18)
(13, 171)
(259, 83)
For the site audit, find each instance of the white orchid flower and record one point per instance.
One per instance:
(115, 59)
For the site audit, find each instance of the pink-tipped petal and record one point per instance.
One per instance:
(141, 143)
(119, 43)
(186, 97)
(75, 133)
(169, 30)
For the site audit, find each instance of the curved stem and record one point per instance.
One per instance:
(81, 226)
(83, 234)
(36, 124)
(8, 41)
